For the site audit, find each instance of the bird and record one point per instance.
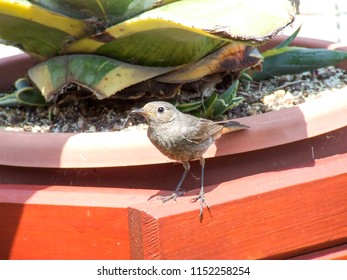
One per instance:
(183, 138)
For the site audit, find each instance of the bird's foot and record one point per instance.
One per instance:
(202, 199)
(173, 196)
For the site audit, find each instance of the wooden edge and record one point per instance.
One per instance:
(72, 195)
(333, 253)
(144, 243)
(65, 222)
(271, 215)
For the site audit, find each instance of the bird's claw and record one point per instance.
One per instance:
(203, 201)
(173, 196)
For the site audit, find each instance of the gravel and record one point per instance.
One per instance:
(90, 115)
(288, 90)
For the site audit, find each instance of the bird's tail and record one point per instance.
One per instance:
(230, 126)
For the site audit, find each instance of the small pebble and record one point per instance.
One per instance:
(80, 122)
(87, 115)
(65, 128)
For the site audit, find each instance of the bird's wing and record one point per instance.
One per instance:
(201, 130)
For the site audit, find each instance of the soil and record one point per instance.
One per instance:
(77, 114)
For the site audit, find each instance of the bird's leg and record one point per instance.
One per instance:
(177, 191)
(201, 195)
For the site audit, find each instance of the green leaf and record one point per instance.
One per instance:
(21, 83)
(289, 40)
(40, 32)
(31, 97)
(229, 95)
(209, 105)
(101, 75)
(9, 100)
(221, 106)
(244, 76)
(109, 11)
(215, 105)
(189, 107)
(185, 31)
(231, 58)
(274, 52)
(297, 60)
(226, 101)
(24, 94)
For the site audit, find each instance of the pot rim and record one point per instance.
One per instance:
(132, 147)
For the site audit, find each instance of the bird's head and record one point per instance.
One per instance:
(157, 112)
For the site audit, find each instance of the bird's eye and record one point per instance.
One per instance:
(161, 109)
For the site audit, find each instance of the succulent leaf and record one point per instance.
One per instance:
(174, 35)
(38, 31)
(111, 12)
(102, 75)
(292, 60)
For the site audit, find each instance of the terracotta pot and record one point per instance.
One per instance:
(276, 190)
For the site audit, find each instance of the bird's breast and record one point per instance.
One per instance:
(176, 146)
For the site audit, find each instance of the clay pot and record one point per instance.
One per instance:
(276, 190)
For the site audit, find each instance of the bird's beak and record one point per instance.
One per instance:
(138, 111)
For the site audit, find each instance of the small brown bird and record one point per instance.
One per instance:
(183, 138)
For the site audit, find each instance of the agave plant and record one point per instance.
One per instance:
(285, 59)
(129, 48)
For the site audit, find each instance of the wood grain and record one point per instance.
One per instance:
(62, 222)
(63, 232)
(271, 216)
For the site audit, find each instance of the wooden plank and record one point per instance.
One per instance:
(63, 232)
(60, 222)
(270, 215)
(334, 253)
